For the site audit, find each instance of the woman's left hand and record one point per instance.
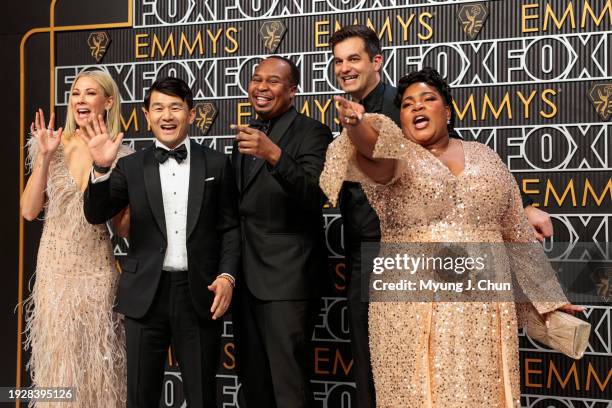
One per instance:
(567, 308)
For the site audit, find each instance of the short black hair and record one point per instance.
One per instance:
(170, 86)
(369, 37)
(295, 71)
(432, 78)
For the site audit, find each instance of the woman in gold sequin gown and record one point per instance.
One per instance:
(75, 338)
(434, 189)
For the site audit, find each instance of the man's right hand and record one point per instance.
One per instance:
(103, 150)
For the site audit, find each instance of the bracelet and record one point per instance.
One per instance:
(101, 169)
(227, 278)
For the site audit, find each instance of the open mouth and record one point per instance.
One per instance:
(421, 122)
(83, 113)
(168, 128)
(262, 100)
(349, 78)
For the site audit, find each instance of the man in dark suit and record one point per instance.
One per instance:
(184, 253)
(277, 163)
(357, 63)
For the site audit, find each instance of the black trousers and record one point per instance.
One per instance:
(172, 320)
(271, 350)
(359, 332)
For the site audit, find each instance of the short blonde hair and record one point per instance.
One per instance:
(113, 115)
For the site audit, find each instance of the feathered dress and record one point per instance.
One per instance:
(75, 338)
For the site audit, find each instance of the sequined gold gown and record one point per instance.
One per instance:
(443, 355)
(75, 338)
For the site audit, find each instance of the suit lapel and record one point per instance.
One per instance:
(278, 132)
(153, 188)
(197, 185)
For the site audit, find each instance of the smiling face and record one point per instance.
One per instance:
(424, 114)
(88, 100)
(169, 118)
(270, 90)
(356, 72)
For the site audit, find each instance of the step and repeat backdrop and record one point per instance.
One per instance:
(531, 79)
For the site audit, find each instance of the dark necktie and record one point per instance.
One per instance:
(179, 154)
(249, 161)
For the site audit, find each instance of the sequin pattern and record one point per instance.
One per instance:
(446, 355)
(75, 338)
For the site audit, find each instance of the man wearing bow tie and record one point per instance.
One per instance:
(178, 277)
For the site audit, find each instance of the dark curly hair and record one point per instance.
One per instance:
(432, 78)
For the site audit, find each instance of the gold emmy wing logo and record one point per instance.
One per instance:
(206, 112)
(98, 44)
(601, 96)
(272, 33)
(472, 18)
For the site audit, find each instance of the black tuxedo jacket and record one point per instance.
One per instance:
(213, 231)
(283, 252)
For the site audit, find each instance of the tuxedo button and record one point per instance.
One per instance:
(162, 250)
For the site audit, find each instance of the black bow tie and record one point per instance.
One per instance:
(179, 154)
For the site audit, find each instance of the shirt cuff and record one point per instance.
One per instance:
(100, 179)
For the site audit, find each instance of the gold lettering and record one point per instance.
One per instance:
(529, 371)
(469, 105)
(405, 25)
(162, 51)
(527, 190)
(526, 102)
(428, 27)
(592, 373)
(597, 20)
(338, 360)
(231, 38)
(133, 118)
(242, 113)
(306, 108)
(228, 350)
(549, 14)
(552, 369)
(550, 103)
(588, 188)
(385, 28)
(318, 359)
(140, 45)
(214, 38)
(319, 32)
(323, 108)
(525, 17)
(197, 42)
(569, 189)
(487, 103)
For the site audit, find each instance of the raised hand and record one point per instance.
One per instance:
(48, 140)
(256, 143)
(349, 113)
(103, 150)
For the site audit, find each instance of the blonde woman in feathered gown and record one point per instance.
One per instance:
(75, 338)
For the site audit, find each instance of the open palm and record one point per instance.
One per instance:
(48, 140)
(102, 148)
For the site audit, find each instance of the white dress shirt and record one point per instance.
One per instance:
(174, 179)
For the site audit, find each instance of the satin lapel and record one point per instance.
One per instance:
(153, 188)
(197, 185)
(278, 132)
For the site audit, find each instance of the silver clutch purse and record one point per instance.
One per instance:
(566, 333)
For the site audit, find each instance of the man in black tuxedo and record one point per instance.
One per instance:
(184, 254)
(277, 163)
(357, 64)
